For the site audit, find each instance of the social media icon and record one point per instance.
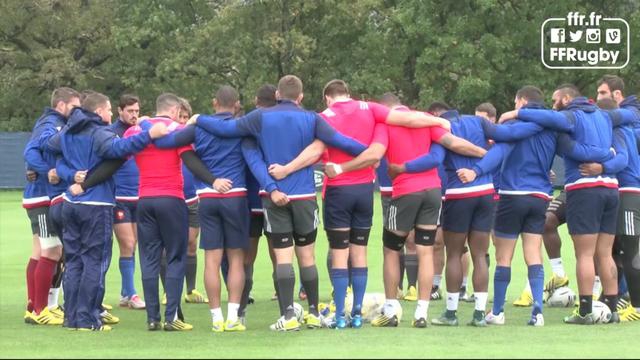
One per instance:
(612, 36)
(557, 35)
(593, 36)
(575, 36)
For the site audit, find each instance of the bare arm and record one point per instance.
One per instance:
(369, 157)
(309, 156)
(461, 146)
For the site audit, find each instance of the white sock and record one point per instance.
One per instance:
(464, 281)
(422, 309)
(597, 286)
(216, 314)
(389, 308)
(481, 300)
(436, 280)
(54, 293)
(527, 287)
(452, 301)
(232, 311)
(556, 266)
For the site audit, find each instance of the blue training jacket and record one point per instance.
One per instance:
(41, 160)
(586, 125)
(282, 132)
(529, 150)
(471, 128)
(629, 177)
(84, 143)
(127, 177)
(222, 156)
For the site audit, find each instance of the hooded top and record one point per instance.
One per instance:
(84, 143)
(586, 125)
(629, 177)
(39, 192)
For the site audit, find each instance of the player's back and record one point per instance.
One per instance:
(126, 178)
(80, 150)
(160, 169)
(36, 192)
(286, 130)
(526, 167)
(470, 128)
(356, 119)
(223, 156)
(591, 126)
(406, 144)
(629, 177)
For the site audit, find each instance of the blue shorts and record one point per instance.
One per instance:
(224, 223)
(592, 210)
(468, 214)
(518, 214)
(125, 212)
(348, 206)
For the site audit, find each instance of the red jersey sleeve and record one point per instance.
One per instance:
(131, 131)
(380, 112)
(437, 133)
(380, 135)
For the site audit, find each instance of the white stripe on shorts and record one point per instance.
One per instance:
(266, 220)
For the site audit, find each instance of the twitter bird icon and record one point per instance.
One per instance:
(575, 36)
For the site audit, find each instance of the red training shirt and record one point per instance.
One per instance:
(160, 169)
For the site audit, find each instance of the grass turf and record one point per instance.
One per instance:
(130, 338)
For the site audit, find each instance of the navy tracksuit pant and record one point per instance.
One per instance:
(86, 231)
(162, 226)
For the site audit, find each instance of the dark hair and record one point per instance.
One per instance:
(64, 94)
(530, 93)
(569, 89)
(290, 87)
(266, 96)
(438, 106)
(127, 100)
(227, 96)
(390, 99)
(487, 108)
(93, 100)
(613, 82)
(607, 104)
(335, 87)
(166, 101)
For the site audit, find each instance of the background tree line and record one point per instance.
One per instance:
(461, 51)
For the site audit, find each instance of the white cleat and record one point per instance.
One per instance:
(492, 319)
(136, 303)
(537, 320)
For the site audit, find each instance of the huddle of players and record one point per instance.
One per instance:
(277, 143)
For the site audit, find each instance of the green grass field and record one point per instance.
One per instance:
(130, 338)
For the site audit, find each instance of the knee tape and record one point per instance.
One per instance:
(425, 237)
(338, 239)
(359, 236)
(392, 241)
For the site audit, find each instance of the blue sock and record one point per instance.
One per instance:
(536, 281)
(501, 280)
(127, 269)
(623, 288)
(359, 277)
(340, 280)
